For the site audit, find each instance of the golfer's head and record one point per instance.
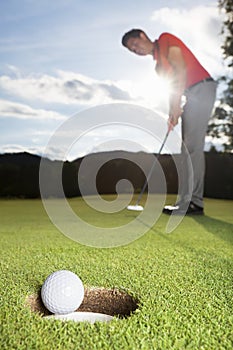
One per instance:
(138, 42)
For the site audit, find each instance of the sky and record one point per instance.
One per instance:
(61, 58)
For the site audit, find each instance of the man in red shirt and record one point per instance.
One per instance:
(189, 78)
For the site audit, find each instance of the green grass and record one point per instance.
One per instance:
(183, 281)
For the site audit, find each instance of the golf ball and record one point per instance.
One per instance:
(62, 292)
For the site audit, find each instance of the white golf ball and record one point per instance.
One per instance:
(62, 292)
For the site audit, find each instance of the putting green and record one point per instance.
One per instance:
(183, 280)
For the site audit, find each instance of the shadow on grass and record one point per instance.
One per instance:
(222, 229)
(219, 228)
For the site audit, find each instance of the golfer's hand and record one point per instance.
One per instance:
(172, 122)
(173, 118)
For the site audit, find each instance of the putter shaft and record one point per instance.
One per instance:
(151, 170)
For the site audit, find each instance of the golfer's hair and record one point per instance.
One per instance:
(133, 33)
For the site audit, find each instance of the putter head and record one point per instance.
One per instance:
(135, 207)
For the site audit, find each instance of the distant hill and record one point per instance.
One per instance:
(19, 174)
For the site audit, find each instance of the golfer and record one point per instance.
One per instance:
(189, 78)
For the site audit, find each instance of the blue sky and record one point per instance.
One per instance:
(58, 58)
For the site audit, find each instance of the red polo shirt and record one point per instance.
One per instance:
(195, 72)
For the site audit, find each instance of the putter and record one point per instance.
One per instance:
(138, 207)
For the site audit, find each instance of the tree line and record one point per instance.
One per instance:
(19, 175)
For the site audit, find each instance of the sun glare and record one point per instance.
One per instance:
(152, 91)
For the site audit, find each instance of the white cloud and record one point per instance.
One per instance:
(65, 88)
(10, 109)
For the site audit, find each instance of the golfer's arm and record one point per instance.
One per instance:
(177, 62)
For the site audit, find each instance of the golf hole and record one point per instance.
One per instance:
(111, 302)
